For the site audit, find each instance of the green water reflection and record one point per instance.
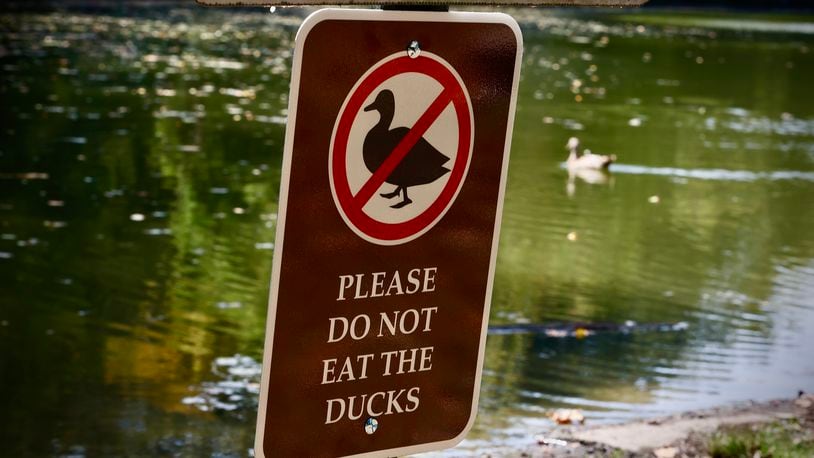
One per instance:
(139, 169)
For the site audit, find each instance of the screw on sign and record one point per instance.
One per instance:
(394, 170)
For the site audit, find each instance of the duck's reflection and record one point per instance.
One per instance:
(590, 176)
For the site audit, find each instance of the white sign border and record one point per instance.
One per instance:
(376, 15)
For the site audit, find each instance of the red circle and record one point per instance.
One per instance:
(355, 215)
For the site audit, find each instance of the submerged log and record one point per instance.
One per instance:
(580, 330)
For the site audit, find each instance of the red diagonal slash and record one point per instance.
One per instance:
(405, 145)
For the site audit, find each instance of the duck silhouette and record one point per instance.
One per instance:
(423, 164)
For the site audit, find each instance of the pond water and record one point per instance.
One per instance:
(140, 162)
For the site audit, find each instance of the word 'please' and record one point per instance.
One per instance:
(379, 284)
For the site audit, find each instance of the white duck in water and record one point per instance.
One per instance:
(588, 160)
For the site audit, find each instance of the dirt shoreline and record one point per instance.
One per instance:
(665, 437)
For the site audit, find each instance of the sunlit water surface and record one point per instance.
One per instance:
(139, 169)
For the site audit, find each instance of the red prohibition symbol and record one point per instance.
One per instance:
(370, 224)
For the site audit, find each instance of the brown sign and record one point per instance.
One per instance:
(602, 3)
(393, 175)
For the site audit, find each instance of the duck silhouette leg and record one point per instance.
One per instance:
(405, 201)
(390, 195)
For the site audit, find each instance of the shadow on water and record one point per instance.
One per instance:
(139, 168)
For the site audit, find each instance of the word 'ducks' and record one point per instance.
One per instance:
(373, 405)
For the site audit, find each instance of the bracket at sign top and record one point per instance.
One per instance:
(424, 5)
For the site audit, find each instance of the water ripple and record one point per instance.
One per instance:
(713, 174)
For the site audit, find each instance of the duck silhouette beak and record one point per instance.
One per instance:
(372, 106)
